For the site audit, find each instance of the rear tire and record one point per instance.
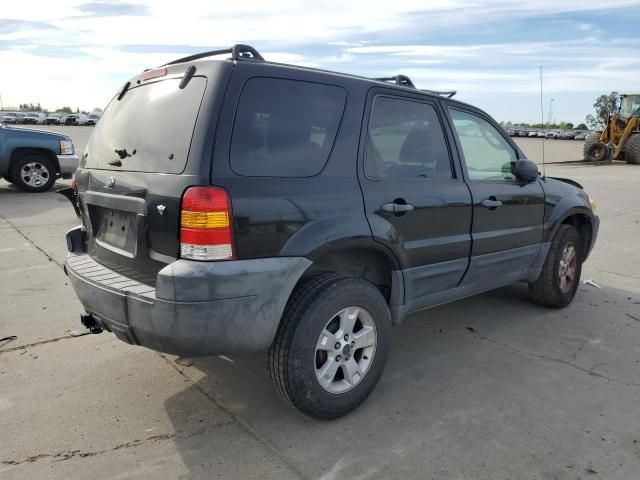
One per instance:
(632, 149)
(591, 140)
(33, 173)
(557, 284)
(331, 346)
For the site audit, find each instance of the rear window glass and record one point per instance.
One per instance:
(285, 128)
(149, 129)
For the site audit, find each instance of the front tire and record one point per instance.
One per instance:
(332, 345)
(33, 173)
(557, 284)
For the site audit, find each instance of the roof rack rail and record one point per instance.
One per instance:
(446, 93)
(238, 52)
(405, 81)
(401, 80)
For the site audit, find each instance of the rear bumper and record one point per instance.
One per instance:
(68, 164)
(196, 308)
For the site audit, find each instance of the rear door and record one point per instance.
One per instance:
(415, 201)
(507, 213)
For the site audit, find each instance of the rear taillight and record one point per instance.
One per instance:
(205, 224)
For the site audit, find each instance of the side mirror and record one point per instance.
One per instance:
(526, 170)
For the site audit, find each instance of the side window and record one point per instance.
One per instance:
(405, 140)
(486, 152)
(285, 128)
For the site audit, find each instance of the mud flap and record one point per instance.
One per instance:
(70, 194)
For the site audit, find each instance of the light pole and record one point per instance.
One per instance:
(549, 116)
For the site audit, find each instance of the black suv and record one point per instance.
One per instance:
(237, 205)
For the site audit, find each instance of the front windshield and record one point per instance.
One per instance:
(630, 106)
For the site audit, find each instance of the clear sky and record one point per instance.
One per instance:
(77, 53)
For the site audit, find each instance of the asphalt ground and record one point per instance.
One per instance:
(491, 387)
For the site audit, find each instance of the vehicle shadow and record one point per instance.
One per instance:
(488, 387)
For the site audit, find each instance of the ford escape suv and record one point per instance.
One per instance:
(230, 204)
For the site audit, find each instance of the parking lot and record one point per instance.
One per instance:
(492, 387)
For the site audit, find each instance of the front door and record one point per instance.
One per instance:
(507, 212)
(415, 200)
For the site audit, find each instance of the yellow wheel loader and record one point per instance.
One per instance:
(620, 139)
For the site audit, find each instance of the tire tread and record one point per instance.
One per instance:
(632, 149)
(543, 291)
(302, 296)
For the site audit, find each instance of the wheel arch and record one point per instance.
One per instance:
(582, 222)
(361, 258)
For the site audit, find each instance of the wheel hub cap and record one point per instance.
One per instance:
(34, 174)
(568, 268)
(345, 350)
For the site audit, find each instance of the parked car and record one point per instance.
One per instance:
(541, 134)
(511, 132)
(32, 160)
(523, 133)
(291, 235)
(53, 119)
(567, 135)
(92, 118)
(10, 117)
(581, 136)
(75, 119)
(551, 134)
(14, 117)
(35, 118)
(533, 133)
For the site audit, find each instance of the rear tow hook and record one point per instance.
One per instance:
(90, 322)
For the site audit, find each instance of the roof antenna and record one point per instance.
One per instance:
(544, 139)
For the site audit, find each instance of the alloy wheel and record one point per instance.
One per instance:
(345, 350)
(35, 174)
(568, 268)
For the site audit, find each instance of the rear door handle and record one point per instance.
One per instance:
(491, 203)
(397, 207)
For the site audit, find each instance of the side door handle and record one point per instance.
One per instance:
(397, 207)
(491, 203)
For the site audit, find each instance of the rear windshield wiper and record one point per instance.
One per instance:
(116, 163)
